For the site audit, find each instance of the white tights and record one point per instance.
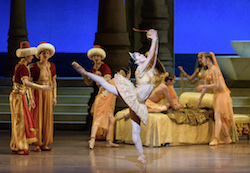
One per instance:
(110, 88)
(136, 128)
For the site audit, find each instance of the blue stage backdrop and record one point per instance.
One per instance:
(200, 25)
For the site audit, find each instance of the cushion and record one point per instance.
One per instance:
(193, 97)
(241, 118)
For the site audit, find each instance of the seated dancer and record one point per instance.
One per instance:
(22, 131)
(103, 112)
(134, 97)
(222, 104)
(164, 90)
(181, 114)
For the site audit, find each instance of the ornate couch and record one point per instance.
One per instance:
(161, 130)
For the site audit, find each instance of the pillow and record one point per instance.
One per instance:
(193, 97)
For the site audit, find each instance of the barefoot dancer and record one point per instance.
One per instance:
(134, 97)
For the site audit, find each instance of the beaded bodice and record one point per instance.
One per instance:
(146, 77)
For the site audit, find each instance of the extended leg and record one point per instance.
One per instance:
(96, 78)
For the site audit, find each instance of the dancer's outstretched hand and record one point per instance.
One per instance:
(79, 68)
(152, 34)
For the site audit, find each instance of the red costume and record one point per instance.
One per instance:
(21, 119)
(43, 112)
(104, 69)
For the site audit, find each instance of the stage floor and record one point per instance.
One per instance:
(71, 154)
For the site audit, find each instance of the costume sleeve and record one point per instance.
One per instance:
(106, 71)
(24, 72)
(35, 72)
(53, 70)
(92, 69)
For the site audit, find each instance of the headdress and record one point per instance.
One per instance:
(132, 55)
(214, 59)
(97, 50)
(45, 46)
(25, 50)
(201, 53)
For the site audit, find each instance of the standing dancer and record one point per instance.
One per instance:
(134, 97)
(199, 72)
(103, 112)
(97, 55)
(44, 72)
(222, 104)
(23, 132)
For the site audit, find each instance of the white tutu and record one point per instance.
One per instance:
(126, 90)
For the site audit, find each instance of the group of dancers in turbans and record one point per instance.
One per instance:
(141, 99)
(33, 124)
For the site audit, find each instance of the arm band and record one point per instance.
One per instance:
(37, 86)
(29, 94)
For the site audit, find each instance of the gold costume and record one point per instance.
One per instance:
(102, 109)
(43, 112)
(22, 131)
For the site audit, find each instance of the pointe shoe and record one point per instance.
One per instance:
(111, 144)
(91, 143)
(227, 140)
(79, 68)
(142, 160)
(214, 142)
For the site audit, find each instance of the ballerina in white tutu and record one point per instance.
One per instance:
(133, 96)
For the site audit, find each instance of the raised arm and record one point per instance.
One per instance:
(153, 51)
(190, 78)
